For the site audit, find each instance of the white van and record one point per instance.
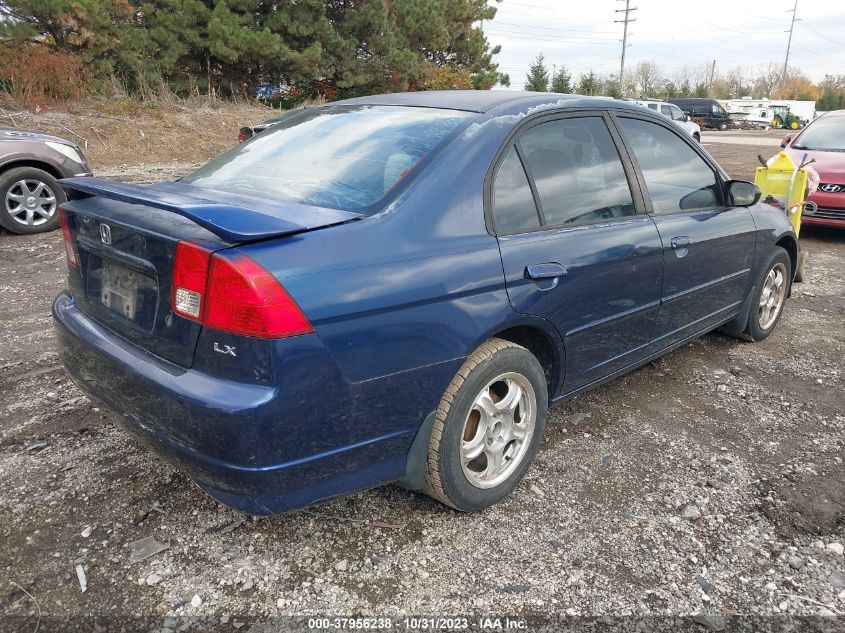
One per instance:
(671, 111)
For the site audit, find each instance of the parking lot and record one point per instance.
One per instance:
(710, 481)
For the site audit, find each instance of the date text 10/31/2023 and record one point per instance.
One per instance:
(432, 623)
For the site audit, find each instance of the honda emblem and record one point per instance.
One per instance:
(105, 234)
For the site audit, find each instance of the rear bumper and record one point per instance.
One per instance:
(246, 445)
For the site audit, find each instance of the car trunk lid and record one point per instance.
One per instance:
(125, 239)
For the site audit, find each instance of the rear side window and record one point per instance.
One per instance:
(677, 178)
(577, 172)
(513, 203)
(344, 157)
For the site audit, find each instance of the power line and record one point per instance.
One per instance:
(627, 11)
(822, 35)
(554, 28)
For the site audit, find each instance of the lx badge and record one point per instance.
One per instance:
(226, 349)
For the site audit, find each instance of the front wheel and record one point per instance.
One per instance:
(29, 200)
(697, 137)
(487, 428)
(770, 293)
(723, 127)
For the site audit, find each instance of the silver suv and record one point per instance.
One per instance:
(31, 163)
(671, 111)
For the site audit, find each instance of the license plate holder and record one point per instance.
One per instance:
(119, 289)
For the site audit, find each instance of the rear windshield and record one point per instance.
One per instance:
(343, 157)
(825, 133)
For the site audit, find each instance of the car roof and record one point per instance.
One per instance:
(470, 100)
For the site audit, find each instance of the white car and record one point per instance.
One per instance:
(671, 111)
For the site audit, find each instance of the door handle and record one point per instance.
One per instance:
(551, 270)
(681, 245)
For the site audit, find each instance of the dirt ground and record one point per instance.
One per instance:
(708, 482)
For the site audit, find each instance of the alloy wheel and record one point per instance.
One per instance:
(772, 296)
(497, 432)
(30, 202)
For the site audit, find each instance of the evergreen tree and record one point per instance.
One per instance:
(331, 47)
(562, 81)
(588, 84)
(538, 76)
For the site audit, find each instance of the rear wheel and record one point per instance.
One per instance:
(29, 200)
(487, 428)
(770, 293)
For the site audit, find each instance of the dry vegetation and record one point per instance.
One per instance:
(128, 131)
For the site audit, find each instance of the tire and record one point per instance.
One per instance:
(723, 127)
(494, 369)
(761, 324)
(697, 137)
(29, 200)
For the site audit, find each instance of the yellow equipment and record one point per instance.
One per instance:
(784, 185)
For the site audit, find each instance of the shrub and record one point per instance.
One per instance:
(36, 74)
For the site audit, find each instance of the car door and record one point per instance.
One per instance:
(576, 246)
(708, 248)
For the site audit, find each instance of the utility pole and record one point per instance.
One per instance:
(712, 75)
(627, 11)
(789, 44)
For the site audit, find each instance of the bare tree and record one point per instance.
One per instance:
(768, 79)
(649, 78)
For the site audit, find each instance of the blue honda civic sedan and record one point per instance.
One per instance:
(396, 288)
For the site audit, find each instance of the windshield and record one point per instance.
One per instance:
(825, 133)
(343, 157)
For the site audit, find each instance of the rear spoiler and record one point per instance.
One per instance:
(231, 221)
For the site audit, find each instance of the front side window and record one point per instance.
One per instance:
(577, 172)
(343, 157)
(677, 115)
(666, 111)
(514, 209)
(677, 178)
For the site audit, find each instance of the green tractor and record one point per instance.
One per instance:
(785, 119)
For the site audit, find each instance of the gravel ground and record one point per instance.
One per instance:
(708, 482)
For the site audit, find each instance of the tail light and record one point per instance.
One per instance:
(70, 249)
(233, 293)
(190, 273)
(241, 137)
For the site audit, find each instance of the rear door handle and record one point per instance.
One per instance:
(681, 245)
(551, 270)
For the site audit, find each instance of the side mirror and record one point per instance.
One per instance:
(742, 193)
(786, 140)
(687, 118)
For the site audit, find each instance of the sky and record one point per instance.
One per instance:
(582, 35)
